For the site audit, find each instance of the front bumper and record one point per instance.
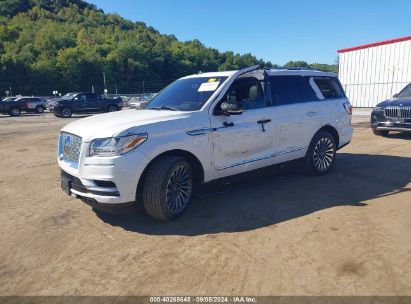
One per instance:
(98, 191)
(381, 123)
(107, 180)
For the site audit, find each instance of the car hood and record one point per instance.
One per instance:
(55, 101)
(123, 122)
(396, 102)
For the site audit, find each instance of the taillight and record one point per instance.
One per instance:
(348, 107)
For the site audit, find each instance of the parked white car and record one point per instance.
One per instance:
(204, 127)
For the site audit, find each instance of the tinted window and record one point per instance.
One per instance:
(91, 96)
(307, 92)
(329, 87)
(82, 97)
(285, 89)
(406, 92)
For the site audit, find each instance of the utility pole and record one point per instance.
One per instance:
(104, 78)
(92, 88)
(143, 87)
(11, 93)
(116, 88)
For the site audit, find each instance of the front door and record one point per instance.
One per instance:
(93, 103)
(245, 138)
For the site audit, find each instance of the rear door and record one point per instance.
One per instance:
(297, 114)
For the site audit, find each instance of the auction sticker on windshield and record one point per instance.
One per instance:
(208, 86)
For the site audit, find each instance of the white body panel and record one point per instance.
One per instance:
(222, 151)
(372, 74)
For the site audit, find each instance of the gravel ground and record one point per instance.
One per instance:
(274, 231)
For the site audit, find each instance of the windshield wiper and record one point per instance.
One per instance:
(164, 108)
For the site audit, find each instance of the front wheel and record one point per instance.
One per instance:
(168, 187)
(321, 154)
(66, 112)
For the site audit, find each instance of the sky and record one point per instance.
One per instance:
(274, 30)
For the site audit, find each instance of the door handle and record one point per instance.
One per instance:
(228, 124)
(311, 114)
(262, 122)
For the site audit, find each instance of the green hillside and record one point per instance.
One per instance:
(67, 45)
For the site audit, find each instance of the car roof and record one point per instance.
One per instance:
(300, 72)
(271, 72)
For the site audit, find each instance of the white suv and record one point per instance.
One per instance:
(204, 127)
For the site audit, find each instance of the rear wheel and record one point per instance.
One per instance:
(380, 132)
(321, 154)
(39, 109)
(66, 112)
(14, 112)
(168, 187)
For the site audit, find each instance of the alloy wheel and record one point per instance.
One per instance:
(66, 113)
(178, 190)
(324, 154)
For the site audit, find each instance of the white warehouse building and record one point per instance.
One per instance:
(375, 72)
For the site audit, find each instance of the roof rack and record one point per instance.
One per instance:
(296, 69)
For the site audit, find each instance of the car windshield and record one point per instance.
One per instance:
(406, 92)
(9, 99)
(188, 94)
(68, 96)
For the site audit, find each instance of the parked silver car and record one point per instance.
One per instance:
(32, 104)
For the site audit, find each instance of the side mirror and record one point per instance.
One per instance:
(76, 99)
(231, 108)
(395, 95)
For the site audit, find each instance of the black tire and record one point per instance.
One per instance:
(321, 154)
(66, 112)
(163, 198)
(39, 109)
(112, 108)
(15, 112)
(380, 132)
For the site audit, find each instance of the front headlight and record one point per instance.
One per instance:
(113, 146)
(378, 109)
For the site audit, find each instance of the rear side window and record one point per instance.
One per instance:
(285, 90)
(329, 87)
(291, 89)
(307, 91)
(91, 96)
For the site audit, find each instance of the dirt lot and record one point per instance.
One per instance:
(271, 232)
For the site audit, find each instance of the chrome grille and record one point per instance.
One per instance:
(405, 112)
(70, 146)
(391, 112)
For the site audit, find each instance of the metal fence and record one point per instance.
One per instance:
(131, 89)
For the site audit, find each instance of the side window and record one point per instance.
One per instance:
(285, 89)
(329, 87)
(82, 97)
(249, 92)
(307, 92)
(91, 96)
